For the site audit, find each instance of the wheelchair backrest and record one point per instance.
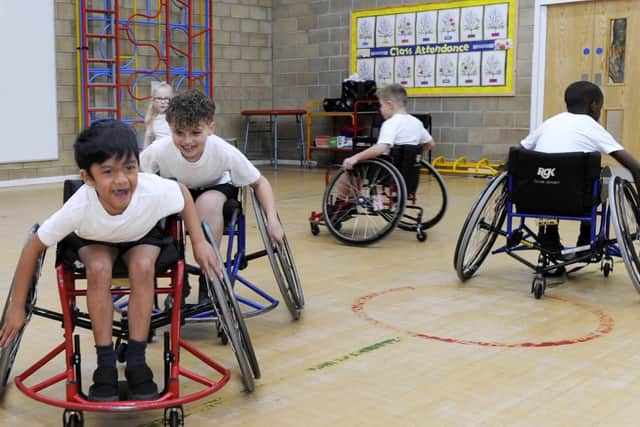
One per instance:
(70, 187)
(553, 183)
(406, 158)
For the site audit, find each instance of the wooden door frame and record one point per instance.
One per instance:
(538, 60)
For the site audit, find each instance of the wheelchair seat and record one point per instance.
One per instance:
(553, 183)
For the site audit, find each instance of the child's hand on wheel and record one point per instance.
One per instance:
(275, 231)
(14, 321)
(349, 163)
(206, 258)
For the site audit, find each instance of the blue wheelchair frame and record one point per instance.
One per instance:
(236, 232)
(601, 248)
(237, 259)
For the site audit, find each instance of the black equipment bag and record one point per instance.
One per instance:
(353, 91)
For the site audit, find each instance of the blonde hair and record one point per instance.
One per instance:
(151, 111)
(395, 92)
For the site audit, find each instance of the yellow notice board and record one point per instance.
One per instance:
(455, 48)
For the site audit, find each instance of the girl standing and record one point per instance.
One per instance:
(155, 122)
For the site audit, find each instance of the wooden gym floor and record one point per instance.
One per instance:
(389, 336)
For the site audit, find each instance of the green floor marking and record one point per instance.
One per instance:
(362, 351)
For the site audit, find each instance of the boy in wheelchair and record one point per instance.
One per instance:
(398, 129)
(578, 130)
(210, 167)
(112, 219)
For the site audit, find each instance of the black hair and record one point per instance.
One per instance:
(579, 96)
(103, 140)
(189, 108)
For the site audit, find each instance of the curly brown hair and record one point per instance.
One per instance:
(190, 108)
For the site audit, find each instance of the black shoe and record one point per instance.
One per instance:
(550, 243)
(203, 290)
(140, 381)
(583, 240)
(105, 385)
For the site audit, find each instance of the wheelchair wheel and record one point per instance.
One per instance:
(173, 417)
(431, 198)
(228, 312)
(481, 228)
(623, 200)
(71, 418)
(282, 264)
(8, 354)
(538, 286)
(363, 205)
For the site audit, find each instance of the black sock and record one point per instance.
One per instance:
(106, 356)
(136, 353)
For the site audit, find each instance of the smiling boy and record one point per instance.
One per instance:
(113, 216)
(210, 167)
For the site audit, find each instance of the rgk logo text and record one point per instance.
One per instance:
(546, 173)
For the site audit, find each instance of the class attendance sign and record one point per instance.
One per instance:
(458, 48)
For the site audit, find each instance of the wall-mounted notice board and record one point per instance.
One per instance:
(454, 48)
(28, 105)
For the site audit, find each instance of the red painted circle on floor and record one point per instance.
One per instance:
(605, 324)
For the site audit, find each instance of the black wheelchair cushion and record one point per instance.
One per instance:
(167, 259)
(406, 158)
(553, 183)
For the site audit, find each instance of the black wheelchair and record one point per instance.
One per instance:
(552, 187)
(363, 205)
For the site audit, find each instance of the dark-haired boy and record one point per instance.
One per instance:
(578, 130)
(210, 167)
(114, 215)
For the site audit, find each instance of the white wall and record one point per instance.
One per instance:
(28, 118)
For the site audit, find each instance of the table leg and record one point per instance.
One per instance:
(275, 141)
(300, 134)
(247, 121)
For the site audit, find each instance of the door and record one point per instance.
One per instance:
(592, 41)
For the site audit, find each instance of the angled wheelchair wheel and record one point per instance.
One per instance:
(8, 354)
(481, 228)
(231, 321)
(623, 201)
(282, 264)
(363, 205)
(431, 199)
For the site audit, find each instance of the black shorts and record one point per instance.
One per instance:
(68, 249)
(229, 190)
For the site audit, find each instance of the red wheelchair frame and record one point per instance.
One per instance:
(76, 401)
